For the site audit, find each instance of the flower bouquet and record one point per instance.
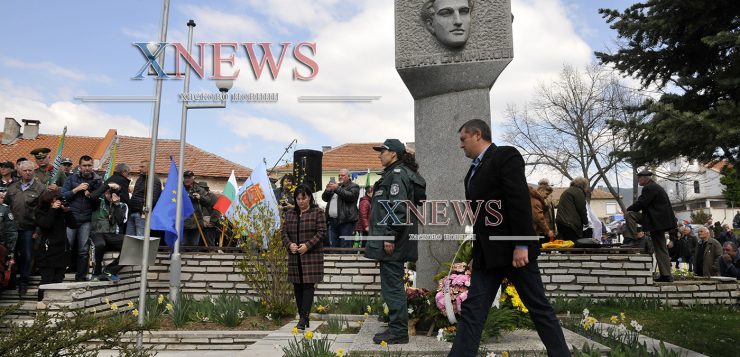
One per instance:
(458, 282)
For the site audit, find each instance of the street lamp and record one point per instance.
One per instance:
(223, 86)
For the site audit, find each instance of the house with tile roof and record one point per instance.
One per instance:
(206, 166)
(694, 186)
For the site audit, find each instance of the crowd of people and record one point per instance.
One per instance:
(65, 220)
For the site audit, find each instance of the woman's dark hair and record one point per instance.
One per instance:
(303, 190)
(47, 197)
(286, 177)
(409, 160)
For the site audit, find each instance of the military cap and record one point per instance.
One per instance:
(644, 173)
(66, 161)
(204, 184)
(391, 145)
(188, 173)
(40, 153)
(7, 164)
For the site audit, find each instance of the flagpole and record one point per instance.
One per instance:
(176, 261)
(150, 178)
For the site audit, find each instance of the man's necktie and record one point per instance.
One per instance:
(473, 167)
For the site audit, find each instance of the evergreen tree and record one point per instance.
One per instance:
(690, 50)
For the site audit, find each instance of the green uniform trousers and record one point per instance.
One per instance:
(394, 295)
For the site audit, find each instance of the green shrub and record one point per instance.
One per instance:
(67, 333)
(182, 311)
(227, 310)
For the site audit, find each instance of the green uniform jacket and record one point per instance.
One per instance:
(43, 175)
(9, 232)
(395, 184)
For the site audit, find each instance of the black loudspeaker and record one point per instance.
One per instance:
(307, 168)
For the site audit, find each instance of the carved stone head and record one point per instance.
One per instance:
(448, 20)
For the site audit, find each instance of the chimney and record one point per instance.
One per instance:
(30, 129)
(11, 131)
(325, 148)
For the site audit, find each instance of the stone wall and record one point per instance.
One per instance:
(612, 276)
(593, 276)
(204, 274)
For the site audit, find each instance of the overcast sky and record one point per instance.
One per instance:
(54, 51)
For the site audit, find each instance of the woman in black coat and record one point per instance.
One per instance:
(53, 255)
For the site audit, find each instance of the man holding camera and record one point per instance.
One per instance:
(341, 209)
(77, 193)
(105, 232)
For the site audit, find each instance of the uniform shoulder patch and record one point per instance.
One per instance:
(395, 189)
(397, 170)
(10, 216)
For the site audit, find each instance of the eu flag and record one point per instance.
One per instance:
(164, 213)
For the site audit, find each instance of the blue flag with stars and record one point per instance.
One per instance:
(164, 213)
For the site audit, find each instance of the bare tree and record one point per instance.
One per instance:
(567, 126)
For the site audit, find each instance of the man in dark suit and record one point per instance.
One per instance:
(657, 217)
(505, 242)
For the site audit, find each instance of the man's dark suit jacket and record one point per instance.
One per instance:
(657, 213)
(500, 176)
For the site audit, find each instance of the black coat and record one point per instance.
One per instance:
(123, 182)
(54, 247)
(657, 213)
(500, 182)
(138, 197)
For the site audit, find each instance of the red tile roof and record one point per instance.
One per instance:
(74, 146)
(133, 150)
(351, 156)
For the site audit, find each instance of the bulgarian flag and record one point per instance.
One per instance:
(227, 197)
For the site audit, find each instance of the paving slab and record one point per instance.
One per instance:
(519, 342)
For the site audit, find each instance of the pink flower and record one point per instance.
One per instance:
(459, 267)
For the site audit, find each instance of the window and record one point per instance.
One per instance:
(611, 208)
(696, 187)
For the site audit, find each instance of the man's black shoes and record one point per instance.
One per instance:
(665, 279)
(390, 339)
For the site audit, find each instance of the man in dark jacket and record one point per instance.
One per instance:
(657, 217)
(137, 212)
(120, 178)
(341, 209)
(193, 225)
(572, 217)
(22, 198)
(505, 242)
(78, 193)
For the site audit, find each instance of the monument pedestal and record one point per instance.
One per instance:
(448, 54)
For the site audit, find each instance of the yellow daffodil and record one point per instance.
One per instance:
(383, 344)
(321, 309)
(294, 331)
(505, 354)
(308, 335)
(169, 307)
(160, 299)
(130, 304)
(614, 319)
(340, 352)
(366, 315)
(135, 312)
(385, 309)
(621, 315)
(369, 310)
(106, 301)
(114, 307)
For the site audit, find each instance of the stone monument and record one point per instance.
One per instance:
(448, 53)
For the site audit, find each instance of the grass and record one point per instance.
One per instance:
(711, 330)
